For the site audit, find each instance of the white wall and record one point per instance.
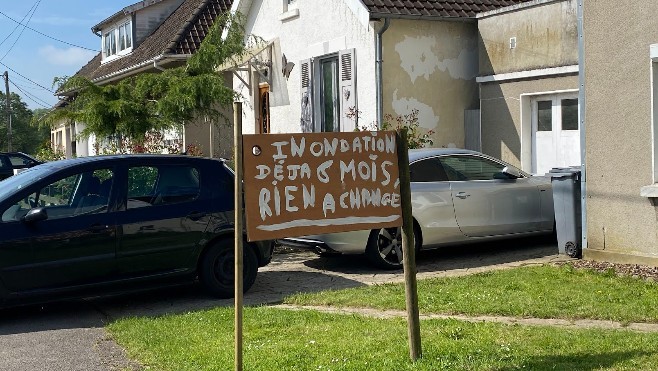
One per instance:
(322, 27)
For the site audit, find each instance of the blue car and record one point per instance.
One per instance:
(108, 224)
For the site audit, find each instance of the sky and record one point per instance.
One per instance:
(53, 39)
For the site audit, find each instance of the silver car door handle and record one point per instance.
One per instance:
(462, 195)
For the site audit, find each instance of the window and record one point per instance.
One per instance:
(329, 103)
(544, 115)
(149, 185)
(328, 92)
(289, 10)
(5, 162)
(19, 160)
(110, 44)
(118, 40)
(82, 193)
(569, 114)
(459, 168)
(427, 170)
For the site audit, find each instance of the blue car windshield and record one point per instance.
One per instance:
(9, 186)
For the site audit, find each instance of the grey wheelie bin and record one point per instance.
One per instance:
(566, 201)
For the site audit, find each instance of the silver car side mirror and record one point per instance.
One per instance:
(511, 172)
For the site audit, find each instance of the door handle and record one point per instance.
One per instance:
(462, 195)
(196, 215)
(96, 228)
(147, 228)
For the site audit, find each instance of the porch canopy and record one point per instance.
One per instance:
(256, 59)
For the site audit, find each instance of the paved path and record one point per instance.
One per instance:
(585, 323)
(70, 336)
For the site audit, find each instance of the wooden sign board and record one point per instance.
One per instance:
(316, 183)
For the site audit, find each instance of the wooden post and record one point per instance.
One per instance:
(6, 75)
(408, 248)
(239, 222)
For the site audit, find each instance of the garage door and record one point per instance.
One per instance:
(555, 132)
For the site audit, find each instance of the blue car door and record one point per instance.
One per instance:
(73, 243)
(166, 215)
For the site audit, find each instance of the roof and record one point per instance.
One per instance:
(434, 8)
(180, 35)
(123, 12)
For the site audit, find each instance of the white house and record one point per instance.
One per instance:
(147, 37)
(336, 64)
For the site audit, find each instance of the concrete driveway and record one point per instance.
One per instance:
(70, 336)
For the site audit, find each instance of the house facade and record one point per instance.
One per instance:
(528, 80)
(553, 96)
(351, 63)
(620, 70)
(148, 37)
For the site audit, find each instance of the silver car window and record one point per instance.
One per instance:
(460, 168)
(427, 170)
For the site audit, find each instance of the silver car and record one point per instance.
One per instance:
(458, 196)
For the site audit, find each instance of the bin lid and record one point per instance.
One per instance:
(571, 171)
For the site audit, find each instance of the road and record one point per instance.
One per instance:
(70, 335)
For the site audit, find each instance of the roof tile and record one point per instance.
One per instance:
(181, 33)
(435, 8)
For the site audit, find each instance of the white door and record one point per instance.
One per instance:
(555, 132)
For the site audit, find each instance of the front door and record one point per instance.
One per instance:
(555, 132)
(264, 114)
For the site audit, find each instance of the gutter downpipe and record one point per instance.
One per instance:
(583, 142)
(155, 62)
(378, 72)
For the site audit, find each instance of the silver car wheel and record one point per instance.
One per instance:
(384, 248)
(389, 244)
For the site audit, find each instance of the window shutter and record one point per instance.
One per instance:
(306, 70)
(348, 104)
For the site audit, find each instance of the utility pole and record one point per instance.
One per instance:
(6, 75)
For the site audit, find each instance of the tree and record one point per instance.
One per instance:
(156, 101)
(25, 137)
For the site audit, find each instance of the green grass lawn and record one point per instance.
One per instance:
(278, 339)
(541, 292)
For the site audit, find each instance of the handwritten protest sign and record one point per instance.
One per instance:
(313, 183)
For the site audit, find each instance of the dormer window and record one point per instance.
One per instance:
(125, 36)
(110, 44)
(117, 41)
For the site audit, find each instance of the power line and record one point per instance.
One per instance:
(32, 97)
(27, 86)
(48, 36)
(36, 5)
(35, 83)
(15, 28)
